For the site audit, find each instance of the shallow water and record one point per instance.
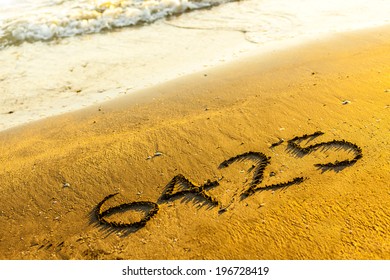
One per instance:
(43, 20)
(270, 20)
(260, 20)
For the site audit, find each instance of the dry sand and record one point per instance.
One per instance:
(197, 122)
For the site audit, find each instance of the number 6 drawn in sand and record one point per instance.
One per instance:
(261, 161)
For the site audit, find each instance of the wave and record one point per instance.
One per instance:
(65, 18)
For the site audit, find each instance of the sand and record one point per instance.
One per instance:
(54, 172)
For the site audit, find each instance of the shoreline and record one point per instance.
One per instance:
(94, 71)
(64, 86)
(55, 171)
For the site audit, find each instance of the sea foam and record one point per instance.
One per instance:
(58, 19)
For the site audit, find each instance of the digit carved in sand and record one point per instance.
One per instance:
(261, 161)
(293, 145)
(189, 188)
(136, 205)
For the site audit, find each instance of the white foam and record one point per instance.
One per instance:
(58, 19)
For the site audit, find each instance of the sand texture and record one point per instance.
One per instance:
(55, 172)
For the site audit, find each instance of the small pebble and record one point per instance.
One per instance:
(345, 102)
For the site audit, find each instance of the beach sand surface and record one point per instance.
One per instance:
(54, 172)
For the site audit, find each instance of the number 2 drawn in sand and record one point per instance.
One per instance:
(261, 161)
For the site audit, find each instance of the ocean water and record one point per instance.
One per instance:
(260, 20)
(43, 20)
(263, 21)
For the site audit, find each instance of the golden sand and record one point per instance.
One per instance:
(54, 172)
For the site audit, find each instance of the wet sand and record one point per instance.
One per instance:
(56, 171)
